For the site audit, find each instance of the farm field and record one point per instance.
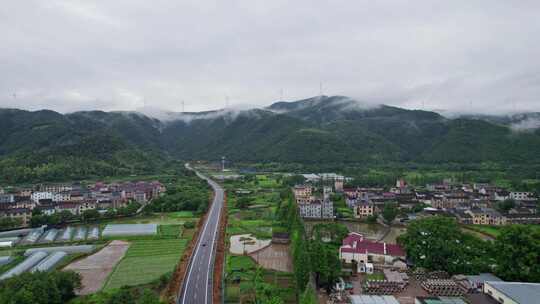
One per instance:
(240, 273)
(252, 204)
(145, 261)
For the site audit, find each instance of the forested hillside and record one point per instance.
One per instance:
(48, 145)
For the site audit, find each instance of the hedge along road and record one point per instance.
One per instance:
(197, 286)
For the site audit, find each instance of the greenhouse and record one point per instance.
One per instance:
(33, 236)
(66, 234)
(30, 262)
(67, 249)
(50, 235)
(9, 241)
(80, 235)
(129, 229)
(5, 260)
(49, 262)
(93, 234)
(13, 233)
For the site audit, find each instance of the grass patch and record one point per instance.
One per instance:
(145, 261)
(170, 231)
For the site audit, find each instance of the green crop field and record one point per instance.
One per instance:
(146, 261)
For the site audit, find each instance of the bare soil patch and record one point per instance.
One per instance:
(275, 257)
(95, 269)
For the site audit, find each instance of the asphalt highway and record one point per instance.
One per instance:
(197, 287)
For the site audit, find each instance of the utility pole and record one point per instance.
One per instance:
(281, 95)
(320, 89)
(226, 102)
(183, 106)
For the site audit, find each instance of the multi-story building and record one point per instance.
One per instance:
(302, 190)
(317, 209)
(363, 209)
(522, 196)
(61, 196)
(7, 198)
(41, 195)
(486, 216)
(55, 188)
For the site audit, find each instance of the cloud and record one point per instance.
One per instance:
(456, 56)
(528, 124)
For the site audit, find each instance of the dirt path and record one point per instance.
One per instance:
(95, 268)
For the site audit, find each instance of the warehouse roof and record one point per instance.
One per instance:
(522, 293)
(365, 299)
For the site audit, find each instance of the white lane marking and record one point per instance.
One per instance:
(199, 246)
(221, 195)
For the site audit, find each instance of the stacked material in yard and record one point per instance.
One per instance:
(444, 287)
(382, 287)
(25, 265)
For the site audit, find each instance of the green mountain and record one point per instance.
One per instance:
(336, 129)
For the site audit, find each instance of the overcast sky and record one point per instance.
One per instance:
(481, 56)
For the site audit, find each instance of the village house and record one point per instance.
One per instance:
(302, 190)
(317, 209)
(41, 195)
(363, 251)
(363, 209)
(486, 216)
(522, 196)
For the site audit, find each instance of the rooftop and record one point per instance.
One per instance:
(356, 243)
(365, 299)
(522, 293)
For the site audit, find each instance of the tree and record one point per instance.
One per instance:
(90, 215)
(518, 253)
(40, 288)
(243, 202)
(8, 223)
(437, 243)
(308, 297)
(506, 205)
(389, 213)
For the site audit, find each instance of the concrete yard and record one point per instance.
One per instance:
(246, 242)
(95, 268)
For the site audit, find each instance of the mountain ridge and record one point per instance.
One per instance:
(315, 130)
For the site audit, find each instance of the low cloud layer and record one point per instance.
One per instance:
(452, 56)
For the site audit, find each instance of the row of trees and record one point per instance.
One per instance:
(310, 254)
(9, 223)
(438, 243)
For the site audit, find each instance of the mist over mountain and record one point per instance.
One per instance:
(320, 129)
